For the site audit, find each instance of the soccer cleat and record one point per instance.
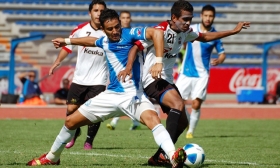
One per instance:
(160, 161)
(87, 146)
(134, 127)
(111, 127)
(163, 158)
(178, 158)
(156, 162)
(42, 161)
(189, 136)
(72, 142)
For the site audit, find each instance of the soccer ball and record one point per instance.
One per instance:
(195, 155)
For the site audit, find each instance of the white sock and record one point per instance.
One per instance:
(64, 136)
(135, 123)
(163, 140)
(195, 115)
(114, 121)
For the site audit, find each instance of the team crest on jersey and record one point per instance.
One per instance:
(139, 32)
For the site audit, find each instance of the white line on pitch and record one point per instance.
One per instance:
(144, 157)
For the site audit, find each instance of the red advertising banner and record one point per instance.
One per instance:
(226, 80)
(53, 82)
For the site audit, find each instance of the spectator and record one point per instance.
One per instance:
(60, 96)
(31, 92)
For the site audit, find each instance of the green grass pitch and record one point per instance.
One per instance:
(227, 144)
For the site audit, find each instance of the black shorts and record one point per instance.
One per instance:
(79, 94)
(157, 88)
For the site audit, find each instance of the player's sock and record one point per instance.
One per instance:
(77, 133)
(163, 139)
(195, 115)
(172, 123)
(92, 131)
(64, 136)
(114, 121)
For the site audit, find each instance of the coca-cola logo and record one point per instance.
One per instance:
(243, 79)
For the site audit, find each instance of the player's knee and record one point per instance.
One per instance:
(178, 104)
(196, 104)
(69, 124)
(150, 119)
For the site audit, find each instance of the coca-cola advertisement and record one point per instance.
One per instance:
(227, 80)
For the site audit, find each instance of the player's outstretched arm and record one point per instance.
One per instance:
(156, 35)
(209, 36)
(82, 41)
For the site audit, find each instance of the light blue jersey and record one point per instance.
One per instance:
(197, 57)
(117, 55)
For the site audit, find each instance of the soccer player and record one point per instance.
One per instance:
(161, 86)
(91, 72)
(120, 98)
(194, 75)
(125, 18)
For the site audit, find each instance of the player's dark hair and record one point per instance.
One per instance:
(94, 2)
(125, 12)
(180, 5)
(108, 14)
(209, 8)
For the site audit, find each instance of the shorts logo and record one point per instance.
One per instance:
(87, 103)
(73, 101)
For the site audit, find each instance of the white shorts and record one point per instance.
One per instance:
(190, 87)
(110, 104)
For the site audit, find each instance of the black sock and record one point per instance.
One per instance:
(77, 133)
(172, 122)
(92, 131)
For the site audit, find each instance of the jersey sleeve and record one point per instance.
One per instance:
(143, 44)
(138, 33)
(99, 42)
(219, 46)
(74, 34)
(191, 36)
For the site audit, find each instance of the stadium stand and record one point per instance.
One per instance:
(21, 18)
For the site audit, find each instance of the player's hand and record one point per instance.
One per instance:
(122, 75)
(215, 62)
(241, 25)
(156, 70)
(59, 42)
(51, 71)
